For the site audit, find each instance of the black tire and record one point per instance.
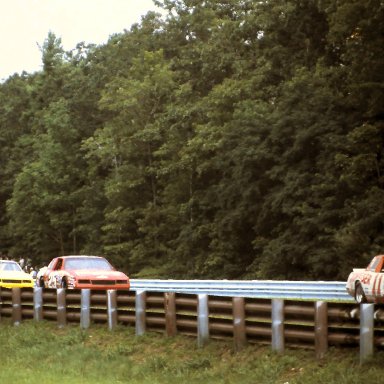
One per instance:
(64, 283)
(359, 294)
(41, 283)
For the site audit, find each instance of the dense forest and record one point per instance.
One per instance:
(220, 139)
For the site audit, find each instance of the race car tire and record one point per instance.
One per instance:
(64, 283)
(41, 283)
(359, 294)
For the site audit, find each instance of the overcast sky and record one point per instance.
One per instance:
(25, 23)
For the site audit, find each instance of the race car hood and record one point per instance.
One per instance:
(98, 274)
(17, 275)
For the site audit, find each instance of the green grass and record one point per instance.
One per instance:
(41, 353)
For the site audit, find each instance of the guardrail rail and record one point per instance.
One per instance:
(268, 289)
(246, 312)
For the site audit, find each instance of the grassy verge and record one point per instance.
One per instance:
(41, 353)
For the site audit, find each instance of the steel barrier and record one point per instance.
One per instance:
(269, 289)
(278, 322)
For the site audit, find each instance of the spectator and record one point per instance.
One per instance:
(33, 272)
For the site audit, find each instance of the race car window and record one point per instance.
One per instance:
(9, 266)
(372, 267)
(58, 264)
(88, 264)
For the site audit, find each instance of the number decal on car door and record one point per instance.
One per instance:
(366, 278)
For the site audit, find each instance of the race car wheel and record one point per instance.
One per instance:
(359, 294)
(64, 283)
(41, 283)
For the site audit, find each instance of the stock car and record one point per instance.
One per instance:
(367, 284)
(77, 272)
(12, 276)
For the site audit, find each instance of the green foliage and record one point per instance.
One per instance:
(230, 139)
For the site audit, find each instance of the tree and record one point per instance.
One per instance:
(128, 144)
(14, 139)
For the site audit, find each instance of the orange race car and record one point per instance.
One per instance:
(367, 284)
(76, 272)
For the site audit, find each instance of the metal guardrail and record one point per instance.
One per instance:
(267, 289)
(300, 323)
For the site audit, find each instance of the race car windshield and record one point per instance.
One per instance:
(5, 266)
(83, 263)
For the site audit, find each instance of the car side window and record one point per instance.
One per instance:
(374, 264)
(58, 265)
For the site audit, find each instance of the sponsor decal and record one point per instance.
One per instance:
(366, 278)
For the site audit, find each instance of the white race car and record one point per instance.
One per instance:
(367, 284)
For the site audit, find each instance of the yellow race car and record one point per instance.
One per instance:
(12, 276)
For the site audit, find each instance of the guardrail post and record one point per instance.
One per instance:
(112, 309)
(61, 308)
(321, 329)
(85, 312)
(170, 313)
(278, 325)
(366, 331)
(16, 306)
(202, 320)
(239, 331)
(140, 310)
(38, 303)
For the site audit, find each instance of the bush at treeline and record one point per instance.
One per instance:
(222, 139)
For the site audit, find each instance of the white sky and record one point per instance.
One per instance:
(25, 23)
